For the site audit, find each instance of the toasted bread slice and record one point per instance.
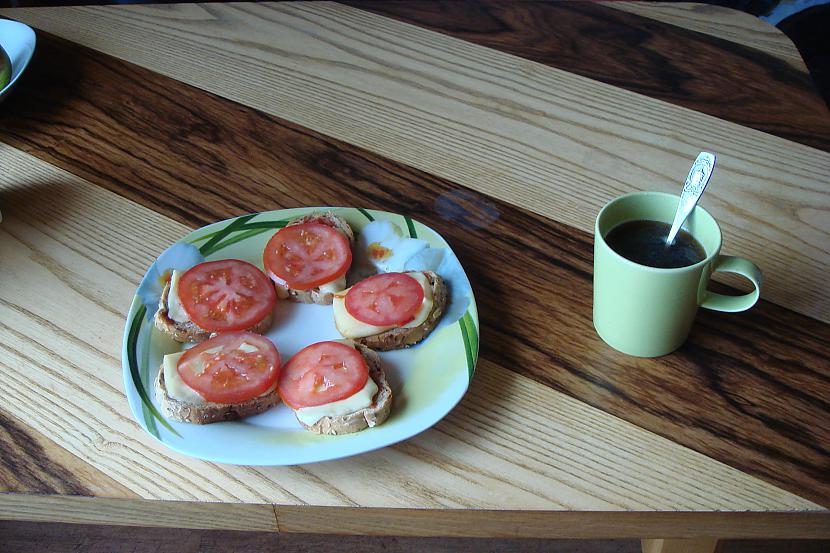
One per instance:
(398, 338)
(185, 411)
(189, 331)
(284, 292)
(367, 417)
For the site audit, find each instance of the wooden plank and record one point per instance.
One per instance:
(720, 21)
(749, 390)
(508, 524)
(31, 463)
(25, 537)
(55, 537)
(137, 512)
(699, 545)
(63, 301)
(507, 127)
(531, 448)
(503, 524)
(748, 86)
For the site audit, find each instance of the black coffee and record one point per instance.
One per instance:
(644, 242)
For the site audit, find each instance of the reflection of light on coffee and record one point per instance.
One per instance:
(466, 208)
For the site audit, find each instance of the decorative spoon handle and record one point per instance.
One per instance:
(696, 182)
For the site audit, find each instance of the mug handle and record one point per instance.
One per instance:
(733, 304)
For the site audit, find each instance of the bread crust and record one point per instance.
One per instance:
(284, 292)
(185, 411)
(368, 417)
(398, 338)
(188, 331)
(304, 296)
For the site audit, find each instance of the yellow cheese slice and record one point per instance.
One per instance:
(174, 305)
(351, 404)
(334, 286)
(176, 388)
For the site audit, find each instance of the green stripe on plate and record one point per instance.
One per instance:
(144, 368)
(473, 332)
(147, 404)
(250, 229)
(208, 247)
(411, 226)
(204, 237)
(265, 224)
(366, 213)
(239, 237)
(470, 337)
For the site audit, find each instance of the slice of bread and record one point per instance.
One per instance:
(185, 411)
(284, 292)
(398, 338)
(367, 417)
(189, 331)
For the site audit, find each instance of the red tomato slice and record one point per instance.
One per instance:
(226, 295)
(223, 373)
(307, 255)
(322, 373)
(385, 299)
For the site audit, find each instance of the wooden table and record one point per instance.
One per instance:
(136, 124)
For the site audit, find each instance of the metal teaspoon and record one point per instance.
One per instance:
(696, 182)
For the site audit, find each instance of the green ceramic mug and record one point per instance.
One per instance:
(646, 311)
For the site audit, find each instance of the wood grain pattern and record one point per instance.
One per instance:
(137, 512)
(710, 75)
(24, 467)
(553, 525)
(31, 463)
(726, 23)
(734, 392)
(507, 127)
(512, 443)
(504, 524)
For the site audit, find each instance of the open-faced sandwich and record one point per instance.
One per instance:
(308, 258)
(230, 376)
(213, 297)
(336, 387)
(390, 310)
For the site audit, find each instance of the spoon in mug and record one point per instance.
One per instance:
(696, 182)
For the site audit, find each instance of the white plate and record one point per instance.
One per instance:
(427, 380)
(18, 40)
